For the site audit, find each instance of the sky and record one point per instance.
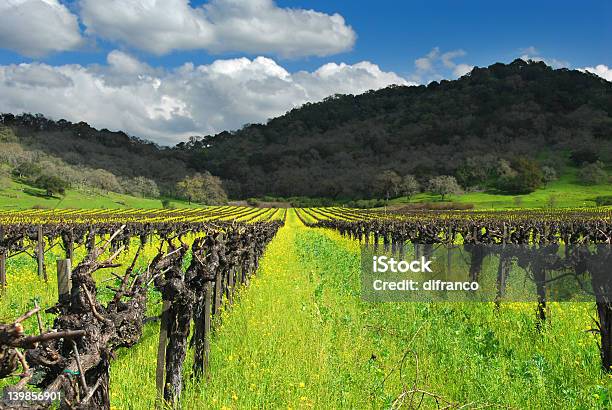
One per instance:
(165, 70)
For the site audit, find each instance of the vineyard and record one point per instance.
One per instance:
(201, 257)
(137, 308)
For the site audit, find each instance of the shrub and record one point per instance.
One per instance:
(51, 184)
(549, 174)
(527, 179)
(252, 201)
(27, 171)
(583, 156)
(603, 200)
(593, 174)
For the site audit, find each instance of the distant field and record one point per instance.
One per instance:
(20, 196)
(565, 192)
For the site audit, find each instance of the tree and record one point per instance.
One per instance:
(141, 186)
(105, 180)
(527, 177)
(52, 184)
(388, 183)
(444, 185)
(593, 174)
(409, 186)
(474, 171)
(204, 188)
(584, 155)
(549, 174)
(7, 135)
(28, 171)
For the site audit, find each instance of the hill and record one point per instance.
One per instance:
(475, 128)
(82, 145)
(499, 130)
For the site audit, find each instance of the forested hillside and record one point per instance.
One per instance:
(489, 129)
(504, 128)
(56, 156)
(81, 144)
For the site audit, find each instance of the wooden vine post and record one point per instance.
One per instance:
(64, 279)
(161, 352)
(449, 249)
(40, 254)
(202, 333)
(3, 253)
(70, 247)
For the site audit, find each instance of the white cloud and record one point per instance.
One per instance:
(462, 69)
(436, 66)
(251, 26)
(601, 70)
(447, 58)
(35, 28)
(532, 53)
(169, 105)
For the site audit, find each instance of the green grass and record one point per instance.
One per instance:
(565, 192)
(16, 195)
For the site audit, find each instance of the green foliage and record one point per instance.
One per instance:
(603, 200)
(366, 203)
(549, 174)
(202, 188)
(552, 201)
(409, 186)
(167, 204)
(304, 202)
(461, 128)
(27, 171)
(51, 184)
(387, 184)
(7, 135)
(142, 187)
(252, 201)
(475, 171)
(584, 156)
(593, 174)
(444, 185)
(527, 177)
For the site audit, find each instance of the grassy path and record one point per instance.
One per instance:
(277, 348)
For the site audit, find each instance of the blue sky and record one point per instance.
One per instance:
(394, 33)
(168, 69)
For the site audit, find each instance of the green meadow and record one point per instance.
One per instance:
(15, 195)
(562, 193)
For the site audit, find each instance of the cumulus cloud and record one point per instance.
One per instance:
(170, 105)
(251, 26)
(601, 70)
(532, 53)
(462, 69)
(35, 28)
(436, 65)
